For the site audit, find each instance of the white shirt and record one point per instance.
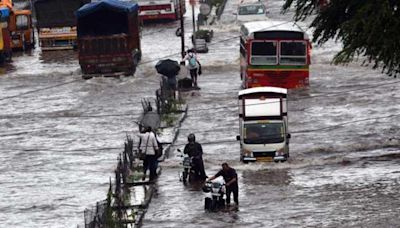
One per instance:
(150, 139)
(188, 56)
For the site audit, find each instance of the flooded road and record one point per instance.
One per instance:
(59, 144)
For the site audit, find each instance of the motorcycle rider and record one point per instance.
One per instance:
(195, 151)
(231, 183)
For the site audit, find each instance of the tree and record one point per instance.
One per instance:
(369, 28)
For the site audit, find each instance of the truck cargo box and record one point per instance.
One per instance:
(108, 37)
(263, 102)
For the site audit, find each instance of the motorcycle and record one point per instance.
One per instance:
(188, 171)
(215, 199)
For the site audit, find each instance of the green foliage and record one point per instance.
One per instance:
(169, 119)
(173, 105)
(216, 2)
(203, 33)
(365, 27)
(109, 217)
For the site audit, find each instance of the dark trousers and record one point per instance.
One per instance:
(199, 165)
(150, 162)
(234, 188)
(193, 75)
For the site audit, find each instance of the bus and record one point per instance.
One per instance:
(274, 53)
(160, 9)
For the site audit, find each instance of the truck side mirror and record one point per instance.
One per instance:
(288, 136)
(238, 137)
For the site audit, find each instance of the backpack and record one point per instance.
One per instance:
(192, 61)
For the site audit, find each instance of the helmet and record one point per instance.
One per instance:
(191, 137)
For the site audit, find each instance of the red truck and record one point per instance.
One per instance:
(108, 38)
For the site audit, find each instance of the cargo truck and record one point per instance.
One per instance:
(56, 23)
(263, 124)
(20, 25)
(108, 38)
(5, 40)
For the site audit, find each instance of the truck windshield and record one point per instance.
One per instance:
(263, 133)
(22, 22)
(251, 10)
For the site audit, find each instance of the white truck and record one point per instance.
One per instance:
(263, 124)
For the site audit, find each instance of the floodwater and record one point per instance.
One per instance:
(61, 135)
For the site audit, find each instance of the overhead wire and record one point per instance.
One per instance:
(225, 140)
(142, 63)
(219, 107)
(233, 140)
(41, 89)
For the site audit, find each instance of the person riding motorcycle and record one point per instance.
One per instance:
(195, 151)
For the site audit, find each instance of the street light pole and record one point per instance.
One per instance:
(182, 28)
(194, 28)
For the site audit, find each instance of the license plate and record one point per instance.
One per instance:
(265, 159)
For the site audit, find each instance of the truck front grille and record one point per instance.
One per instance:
(264, 154)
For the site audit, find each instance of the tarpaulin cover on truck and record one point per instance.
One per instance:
(106, 17)
(57, 13)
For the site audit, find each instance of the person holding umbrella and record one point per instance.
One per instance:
(169, 68)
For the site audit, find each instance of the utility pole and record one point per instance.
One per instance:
(194, 28)
(182, 28)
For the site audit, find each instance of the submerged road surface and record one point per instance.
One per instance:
(60, 138)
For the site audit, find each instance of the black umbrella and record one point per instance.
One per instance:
(168, 67)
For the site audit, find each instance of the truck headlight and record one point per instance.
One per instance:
(280, 152)
(247, 153)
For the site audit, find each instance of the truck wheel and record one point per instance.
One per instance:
(86, 77)
(8, 57)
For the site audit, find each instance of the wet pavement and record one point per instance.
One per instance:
(59, 144)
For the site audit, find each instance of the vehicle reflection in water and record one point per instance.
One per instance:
(63, 56)
(274, 177)
(6, 68)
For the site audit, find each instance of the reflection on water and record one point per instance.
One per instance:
(275, 177)
(6, 68)
(59, 56)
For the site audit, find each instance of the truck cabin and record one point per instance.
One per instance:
(56, 23)
(22, 20)
(20, 26)
(57, 13)
(22, 5)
